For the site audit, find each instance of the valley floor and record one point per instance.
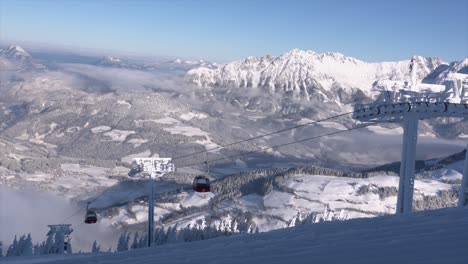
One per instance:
(437, 236)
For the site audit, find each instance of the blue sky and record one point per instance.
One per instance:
(224, 30)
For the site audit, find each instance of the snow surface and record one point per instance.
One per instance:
(190, 115)
(450, 172)
(437, 236)
(164, 120)
(124, 103)
(137, 142)
(129, 158)
(386, 131)
(100, 129)
(197, 199)
(117, 135)
(176, 127)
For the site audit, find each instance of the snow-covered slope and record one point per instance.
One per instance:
(4, 64)
(267, 206)
(425, 237)
(304, 72)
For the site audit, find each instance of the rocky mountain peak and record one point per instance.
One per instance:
(15, 52)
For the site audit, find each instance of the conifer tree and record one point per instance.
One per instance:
(135, 243)
(95, 248)
(122, 244)
(11, 251)
(27, 247)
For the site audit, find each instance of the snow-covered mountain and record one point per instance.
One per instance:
(11, 56)
(459, 66)
(305, 73)
(444, 72)
(194, 63)
(15, 52)
(176, 66)
(16, 58)
(111, 62)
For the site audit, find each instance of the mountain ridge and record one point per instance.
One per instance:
(304, 72)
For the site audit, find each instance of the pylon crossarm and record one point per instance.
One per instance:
(399, 110)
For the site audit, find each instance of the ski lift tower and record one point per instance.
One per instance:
(152, 167)
(60, 234)
(409, 104)
(463, 194)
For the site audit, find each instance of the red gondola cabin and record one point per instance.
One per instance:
(91, 217)
(201, 184)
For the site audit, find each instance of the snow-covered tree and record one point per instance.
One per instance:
(187, 234)
(95, 248)
(47, 246)
(27, 246)
(57, 242)
(21, 247)
(127, 241)
(159, 237)
(1, 252)
(135, 243)
(122, 244)
(143, 241)
(171, 235)
(37, 249)
(13, 248)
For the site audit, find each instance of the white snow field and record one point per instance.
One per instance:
(438, 236)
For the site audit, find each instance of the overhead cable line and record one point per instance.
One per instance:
(93, 200)
(264, 135)
(254, 151)
(278, 146)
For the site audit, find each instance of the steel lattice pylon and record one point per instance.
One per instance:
(60, 233)
(153, 167)
(463, 195)
(410, 106)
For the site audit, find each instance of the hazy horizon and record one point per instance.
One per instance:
(224, 32)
